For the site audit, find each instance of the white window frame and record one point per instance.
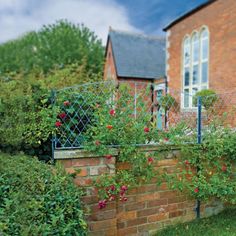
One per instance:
(200, 85)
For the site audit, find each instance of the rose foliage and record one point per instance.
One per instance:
(205, 171)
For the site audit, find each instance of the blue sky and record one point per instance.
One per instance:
(144, 16)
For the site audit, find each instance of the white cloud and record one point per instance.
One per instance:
(20, 16)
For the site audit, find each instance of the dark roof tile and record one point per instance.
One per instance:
(138, 56)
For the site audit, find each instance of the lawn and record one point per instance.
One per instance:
(223, 224)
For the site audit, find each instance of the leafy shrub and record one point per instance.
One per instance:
(116, 125)
(208, 96)
(38, 199)
(27, 121)
(215, 161)
(29, 71)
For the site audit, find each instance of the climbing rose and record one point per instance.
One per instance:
(123, 199)
(62, 115)
(124, 188)
(113, 188)
(150, 160)
(196, 190)
(109, 126)
(146, 129)
(66, 103)
(58, 124)
(224, 168)
(112, 112)
(112, 198)
(108, 157)
(102, 204)
(186, 162)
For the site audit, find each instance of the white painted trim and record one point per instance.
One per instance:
(159, 87)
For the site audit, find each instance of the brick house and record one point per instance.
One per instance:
(201, 50)
(139, 61)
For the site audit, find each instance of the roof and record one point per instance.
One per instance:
(186, 14)
(137, 56)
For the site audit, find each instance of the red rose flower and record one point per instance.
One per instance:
(166, 139)
(224, 168)
(124, 188)
(108, 157)
(112, 112)
(102, 204)
(112, 188)
(186, 162)
(66, 103)
(112, 198)
(150, 160)
(58, 124)
(196, 190)
(124, 199)
(62, 115)
(146, 130)
(97, 143)
(109, 126)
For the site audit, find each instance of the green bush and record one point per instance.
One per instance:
(208, 96)
(38, 199)
(27, 121)
(29, 71)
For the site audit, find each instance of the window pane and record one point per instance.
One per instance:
(186, 98)
(195, 74)
(204, 72)
(186, 77)
(204, 49)
(194, 91)
(196, 52)
(204, 33)
(195, 48)
(186, 51)
(186, 57)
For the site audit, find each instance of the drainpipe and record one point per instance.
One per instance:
(166, 84)
(152, 99)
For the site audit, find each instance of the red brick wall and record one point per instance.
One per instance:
(149, 208)
(220, 18)
(109, 66)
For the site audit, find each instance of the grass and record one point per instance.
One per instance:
(223, 224)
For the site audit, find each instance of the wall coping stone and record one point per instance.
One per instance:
(77, 153)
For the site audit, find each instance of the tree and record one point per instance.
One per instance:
(54, 46)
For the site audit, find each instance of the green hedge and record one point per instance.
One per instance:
(38, 199)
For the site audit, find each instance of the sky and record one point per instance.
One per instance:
(142, 16)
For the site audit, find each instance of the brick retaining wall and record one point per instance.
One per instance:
(149, 208)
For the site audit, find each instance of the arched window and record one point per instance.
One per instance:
(195, 65)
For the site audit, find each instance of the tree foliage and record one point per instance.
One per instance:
(31, 67)
(54, 46)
